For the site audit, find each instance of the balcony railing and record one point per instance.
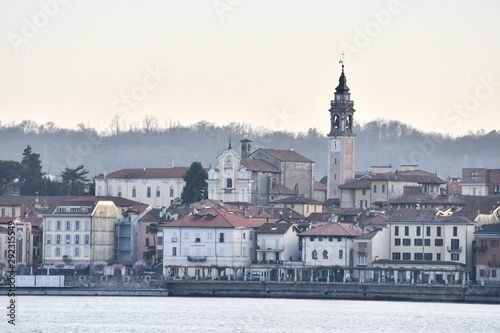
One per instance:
(454, 249)
(197, 258)
(268, 262)
(365, 250)
(270, 249)
(482, 248)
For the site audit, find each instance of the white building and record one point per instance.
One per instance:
(278, 242)
(154, 186)
(197, 243)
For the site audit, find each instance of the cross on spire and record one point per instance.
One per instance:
(341, 61)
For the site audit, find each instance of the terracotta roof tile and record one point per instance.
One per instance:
(274, 228)
(297, 199)
(281, 190)
(334, 229)
(286, 155)
(258, 165)
(177, 172)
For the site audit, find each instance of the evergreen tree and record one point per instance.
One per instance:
(75, 181)
(196, 186)
(33, 176)
(10, 171)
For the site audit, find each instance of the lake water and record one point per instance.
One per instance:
(175, 314)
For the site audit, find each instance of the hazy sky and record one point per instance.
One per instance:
(431, 64)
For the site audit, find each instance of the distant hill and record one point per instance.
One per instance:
(379, 142)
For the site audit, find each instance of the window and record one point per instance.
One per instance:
(86, 252)
(58, 239)
(221, 237)
(455, 231)
(68, 225)
(364, 192)
(87, 239)
(428, 231)
(362, 261)
(48, 240)
(77, 225)
(87, 225)
(418, 231)
(3, 212)
(397, 241)
(209, 235)
(493, 273)
(427, 242)
(244, 236)
(149, 192)
(221, 252)
(396, 231)
(171, 191)
(406, 241)
(49, 225)
(396, 256)
(320, 239)
(417, 256)
(438, 242)
(330, 239)
(375, 188)
(134, 191)
(251, 235)
(229, 183)
(438, 256)
(157, 191)
(325, 254)
(455, 244)
(13, 212)
(147, 241)
(455, 256)
(48, 251)
(198, 238)
(339, 239)
(314, 254)
(110, 190)
(406, 256)
(392, 188)
(58, 225)
(427, 256)
(174, 251)
(312, 239)
(473, 176)
(494, 243)
(99, 191)
(77, 239)
(58, 252)
(76, 252)
(67, 239)
(407, 231)
(383, 188)
(119, 191)
(341, 254)
(417, 241)
(438, 231)
(186, 235)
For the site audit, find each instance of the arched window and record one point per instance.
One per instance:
(296, 188)
(229, 183)
(325, 254)
(348, 124)
(315, 254)
(335, 122)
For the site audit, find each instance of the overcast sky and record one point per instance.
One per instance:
(431, 64)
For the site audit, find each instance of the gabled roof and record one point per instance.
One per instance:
(216, 218)
(369, 235)
(258, 165)
(423, 215)
(177, 172)
(492, 229)
(319, 186)
(297, 199)
(281, 190)
(356, 184)
(286, 155)
(334, 229)
(274, 228)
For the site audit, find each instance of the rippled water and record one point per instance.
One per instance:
(174, 314)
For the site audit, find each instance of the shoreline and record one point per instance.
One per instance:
(302, 290)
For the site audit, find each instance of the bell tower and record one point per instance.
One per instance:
(341, 138)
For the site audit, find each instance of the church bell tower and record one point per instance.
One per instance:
(341, 138)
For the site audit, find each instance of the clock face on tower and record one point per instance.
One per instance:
(335, 145)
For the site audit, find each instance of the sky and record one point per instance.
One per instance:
(272, 64)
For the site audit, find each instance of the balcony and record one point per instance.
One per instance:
(197, 258)
(482, 248)
(228, 190)
(362, 251)
(271, 249)
(268, 262)
(454, 249)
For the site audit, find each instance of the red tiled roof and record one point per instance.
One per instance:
(286, 155)
(334, 229)
(319, 186)
(369, 235)
(274, 228)
(177, 172)
(259, 165)
(356, 184)
(216, 218)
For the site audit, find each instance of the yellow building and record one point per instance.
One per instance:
(300, 204)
